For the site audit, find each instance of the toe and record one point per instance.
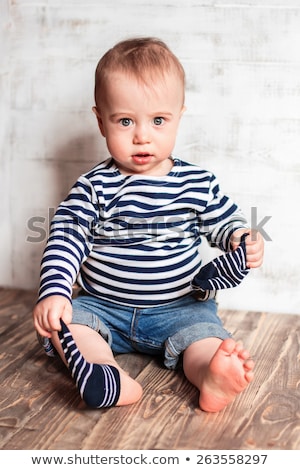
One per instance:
(228, 346)
(244, 354)
(249, 364)
(249, 376)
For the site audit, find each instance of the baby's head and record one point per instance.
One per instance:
(139, 95)
(145, 59)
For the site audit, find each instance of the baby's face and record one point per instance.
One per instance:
(140, 122)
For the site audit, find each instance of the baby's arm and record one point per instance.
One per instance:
(254, 246)
(49, 311)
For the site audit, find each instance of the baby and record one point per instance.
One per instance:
(130, 234)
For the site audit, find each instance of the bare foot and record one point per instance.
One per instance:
(228, 374)
(131, 391)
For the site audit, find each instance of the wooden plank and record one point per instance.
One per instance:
(40, 407)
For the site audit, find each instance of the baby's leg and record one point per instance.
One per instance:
(219, 369)
(99, 378)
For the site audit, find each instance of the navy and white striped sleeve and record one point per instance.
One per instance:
(70, 241)
(220, 218)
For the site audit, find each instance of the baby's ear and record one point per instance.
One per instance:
(97, 113)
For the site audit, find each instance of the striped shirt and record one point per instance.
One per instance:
(136, 240)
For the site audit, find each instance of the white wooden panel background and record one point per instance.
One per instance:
(242, 62)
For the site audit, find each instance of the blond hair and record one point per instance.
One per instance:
(144, 58)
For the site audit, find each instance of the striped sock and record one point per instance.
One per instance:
(99, 385)
(226, 271)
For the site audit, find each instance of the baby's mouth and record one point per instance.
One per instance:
(141, 158)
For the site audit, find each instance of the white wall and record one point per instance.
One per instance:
(243, 119)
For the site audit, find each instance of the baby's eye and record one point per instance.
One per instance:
(158, 121)
(125, 122)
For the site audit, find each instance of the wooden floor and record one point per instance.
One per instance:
(41, 409)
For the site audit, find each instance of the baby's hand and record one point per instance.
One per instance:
(254, 246)
(48, 312)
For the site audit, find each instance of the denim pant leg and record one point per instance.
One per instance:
(205, 324)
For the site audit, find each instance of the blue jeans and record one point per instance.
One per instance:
(165, 330)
